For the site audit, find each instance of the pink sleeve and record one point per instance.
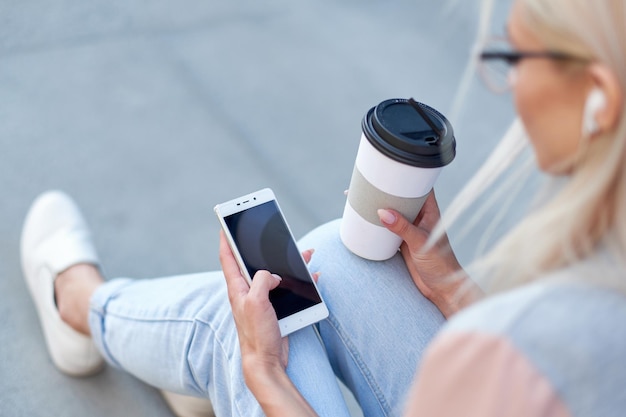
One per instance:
(479, 375)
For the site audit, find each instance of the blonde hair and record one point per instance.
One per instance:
(587, 210)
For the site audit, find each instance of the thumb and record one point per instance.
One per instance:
(262, 283)
(399, 225)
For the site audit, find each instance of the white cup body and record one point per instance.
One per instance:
(379, 182)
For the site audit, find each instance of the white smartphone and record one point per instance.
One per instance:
(261, 240)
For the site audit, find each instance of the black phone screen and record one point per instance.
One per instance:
(264, 242)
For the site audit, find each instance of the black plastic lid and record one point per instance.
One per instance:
(417, 136)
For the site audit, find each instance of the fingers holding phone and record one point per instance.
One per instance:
(257, 324)
(236, 283)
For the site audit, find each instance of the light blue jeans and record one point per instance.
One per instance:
(178, 334)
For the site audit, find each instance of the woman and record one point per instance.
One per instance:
(550, 345)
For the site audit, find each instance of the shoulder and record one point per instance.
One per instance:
(571, 334)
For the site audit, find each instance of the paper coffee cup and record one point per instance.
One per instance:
(403, 147)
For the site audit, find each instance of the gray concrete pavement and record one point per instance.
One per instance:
(151, 112)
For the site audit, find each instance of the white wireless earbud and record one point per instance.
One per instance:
(595, 102)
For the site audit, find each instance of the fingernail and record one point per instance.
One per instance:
(386, 216)
(277, 277)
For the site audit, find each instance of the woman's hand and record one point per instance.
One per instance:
(257, 324)
(436, 272)
(264, 352)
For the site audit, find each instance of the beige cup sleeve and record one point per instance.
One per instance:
(366, 199)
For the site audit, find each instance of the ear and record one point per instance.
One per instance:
(609, 114)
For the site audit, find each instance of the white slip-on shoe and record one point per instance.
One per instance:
(187, 406)
(54, 238)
